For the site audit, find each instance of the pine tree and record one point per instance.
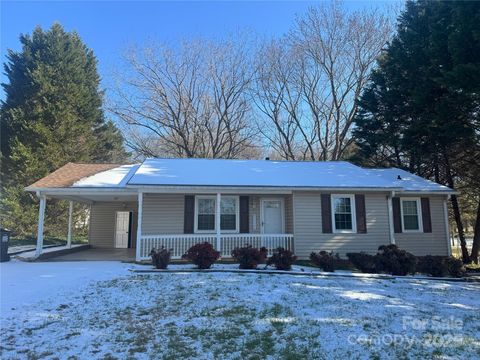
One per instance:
(52, 114)
(420, 110)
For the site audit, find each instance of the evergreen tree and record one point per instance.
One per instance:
(420, 109)
(52, 114)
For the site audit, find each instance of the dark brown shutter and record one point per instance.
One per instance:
(397, 216)
(244, 224)
(360, 213)
(189, 214)
(426, 218)
(326, 214)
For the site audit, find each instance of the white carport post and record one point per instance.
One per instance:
(139, 226)
(217, 221)
(70, 216)
(41, 220)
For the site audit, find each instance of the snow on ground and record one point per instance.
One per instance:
(101, 310)
(23, 284)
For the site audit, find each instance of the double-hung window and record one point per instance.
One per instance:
(411, 219)
(343, 213)
(205, 214)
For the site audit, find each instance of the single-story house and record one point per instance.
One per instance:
(303, 206)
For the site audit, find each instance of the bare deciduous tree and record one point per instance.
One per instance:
(308, 84)
(190, 101)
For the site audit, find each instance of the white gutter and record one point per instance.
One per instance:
(211, 189)
(429, 192)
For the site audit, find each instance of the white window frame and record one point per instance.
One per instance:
(214, 198)
(354, 215)
(419, 214)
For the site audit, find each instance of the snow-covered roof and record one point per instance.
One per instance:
(268, 173)
(236, 173)
(116, 177)
(407, 181)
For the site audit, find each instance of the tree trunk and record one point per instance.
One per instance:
(476, 238)
(456, 212)
(461, 233)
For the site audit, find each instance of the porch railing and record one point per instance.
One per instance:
(179, 244)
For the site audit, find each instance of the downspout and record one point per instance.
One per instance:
(447, 226)
(390, 217)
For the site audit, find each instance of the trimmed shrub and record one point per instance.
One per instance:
(362, 261)
(440, 266)
(249, 257)
(390, 259)
(203, 255)
(282, 259)
(455, 267)
(432, 265)
(324, 260)
(160, 257)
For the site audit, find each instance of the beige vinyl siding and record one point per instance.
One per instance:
(163, 214)
(102, 222)
(308, 234)
(434, 243)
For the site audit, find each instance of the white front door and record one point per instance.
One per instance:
(122, 229)
(272, 222)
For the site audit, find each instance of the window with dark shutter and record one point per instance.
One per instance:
(426, 217)
(189, 214)
(244, 222)
(397, 216)
(360, 213)
(326, 214)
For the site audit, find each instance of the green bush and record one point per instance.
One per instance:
(160, 257)
(432, 265)
(392, 260)
(324, 260)
(456, 268)
(363, 262)
(439, 266)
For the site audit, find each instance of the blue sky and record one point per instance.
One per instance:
(108, 27)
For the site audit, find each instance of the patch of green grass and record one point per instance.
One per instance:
(258, 345)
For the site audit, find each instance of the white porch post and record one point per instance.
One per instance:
(217, 222)
(41, 219)
(139, 227)
(70, 215)
(390, 218)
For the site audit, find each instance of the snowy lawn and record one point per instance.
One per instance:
(101, 310)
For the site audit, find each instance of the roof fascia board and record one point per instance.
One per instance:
(250, 189)
(82, 191)
(133, 189)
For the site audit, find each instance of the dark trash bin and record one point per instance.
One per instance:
(4, 240)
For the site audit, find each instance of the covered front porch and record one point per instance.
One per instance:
(131, 222)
